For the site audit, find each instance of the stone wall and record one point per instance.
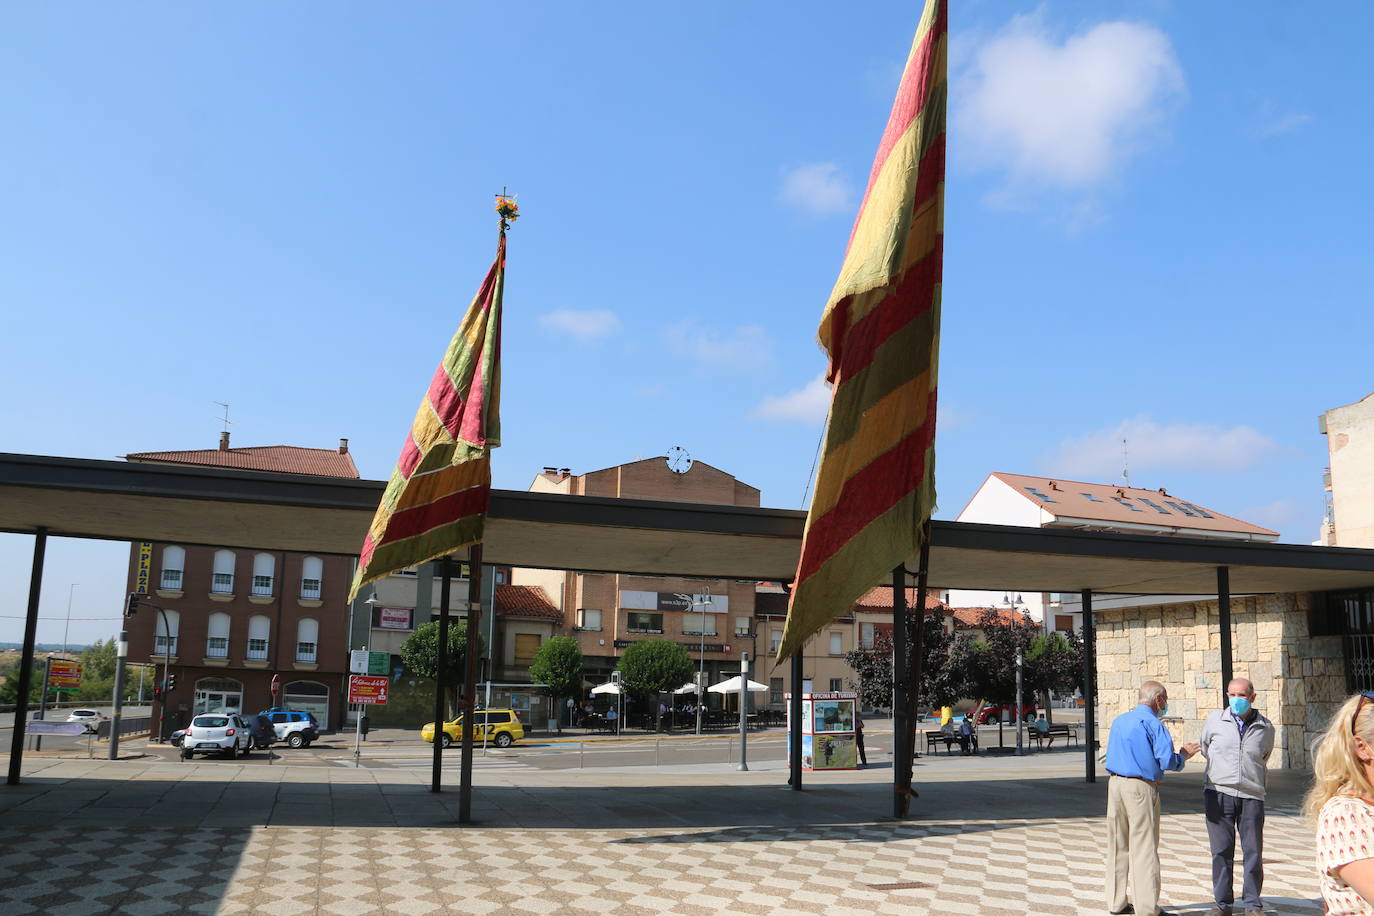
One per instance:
(1299, 679)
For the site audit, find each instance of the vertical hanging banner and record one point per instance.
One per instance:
(145, 567)
(436, 500)
(881, 333)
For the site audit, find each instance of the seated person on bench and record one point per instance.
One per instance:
(1042, 730)
(968, 736)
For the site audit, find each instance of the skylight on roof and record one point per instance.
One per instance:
(1091, 498)
(1125, 502)
(1181, 508)
(1203, 512)
(1038, 495)
(1154, 505)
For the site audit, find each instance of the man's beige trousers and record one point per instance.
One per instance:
(1133, 843)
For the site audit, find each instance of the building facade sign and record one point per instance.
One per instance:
(394, 618)
(694, 646)
(144, 574)
(633, 600)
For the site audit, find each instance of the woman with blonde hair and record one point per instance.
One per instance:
(1342, 802)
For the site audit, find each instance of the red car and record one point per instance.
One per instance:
(992, 712)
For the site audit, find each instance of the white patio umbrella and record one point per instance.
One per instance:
(687, 688)
(607, 687)
(732, 685)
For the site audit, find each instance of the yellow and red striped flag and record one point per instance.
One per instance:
(881, 331)
(436, 500)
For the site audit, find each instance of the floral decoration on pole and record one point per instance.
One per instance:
(507, 209)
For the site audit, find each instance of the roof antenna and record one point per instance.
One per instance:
(1126, 461)
(224, 419)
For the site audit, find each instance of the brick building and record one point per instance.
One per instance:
(235, 617)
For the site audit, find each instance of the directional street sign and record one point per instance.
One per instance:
(39, 727)
(364, 688)
(63, 674)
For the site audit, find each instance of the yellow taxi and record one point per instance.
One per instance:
(502, 727)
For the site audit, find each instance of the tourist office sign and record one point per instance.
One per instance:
(367, 690)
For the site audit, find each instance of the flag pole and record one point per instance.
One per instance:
(440, 680)
(470, 681)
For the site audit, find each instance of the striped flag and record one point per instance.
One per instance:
(881, 331)
(436, 500)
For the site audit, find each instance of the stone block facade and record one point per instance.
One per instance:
(1299, 679)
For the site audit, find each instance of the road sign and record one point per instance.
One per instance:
(63, 674)
(361, 661)
(364, 688)
(39, 727)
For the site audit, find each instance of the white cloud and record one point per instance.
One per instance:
(585, 325)
(1284, 515)
(745, 347)
(1286, 124)
(817, 188)
(1097, 456)
(1065, 114)
(807, 404)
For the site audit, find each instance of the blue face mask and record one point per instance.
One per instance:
(1239, 705)
(1164, 710)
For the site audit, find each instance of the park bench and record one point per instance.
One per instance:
(1057, 730)
(936, 739)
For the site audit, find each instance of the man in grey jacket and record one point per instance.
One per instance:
(1237, 742)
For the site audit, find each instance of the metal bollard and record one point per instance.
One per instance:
(581, 754)
(656, 748)
(729, 748)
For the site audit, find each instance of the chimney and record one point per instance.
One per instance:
(549, 470)
(564, 472)
(343, 446)
(1163, 492)
(224, 441)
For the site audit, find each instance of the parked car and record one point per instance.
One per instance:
(993, 712)
(296, 728)
(217, 733)
(177, 737)
(264, 733)
(91, 718)
(502, 727)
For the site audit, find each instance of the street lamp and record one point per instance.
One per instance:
(701, 668)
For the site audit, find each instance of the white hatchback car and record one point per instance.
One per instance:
(217, 733)
(91, 718)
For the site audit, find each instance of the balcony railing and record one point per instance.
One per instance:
(222, 583)
(257, 649)
(171, 578)
(310, 589)
(305, 652)
(217, 647)
(262, 585)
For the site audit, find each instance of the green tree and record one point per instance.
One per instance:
(940, 682)
(1049, 662)
(9, 685)
(558, 666)
(420, 653)
(654, 666)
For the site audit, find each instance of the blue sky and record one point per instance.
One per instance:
(1156, 228)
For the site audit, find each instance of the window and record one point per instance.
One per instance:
(1063, 623)
(588, 618)
(698, 624)
(165, 627)
(264, 567)
(312, 575)
(307, 639)
(173, 567)
(1203, 512)
(222, 580)
(1154, 505)
(775, 690)
(500, 577)
(866, 635)
(311, 699)
(836, 684)
(742, 626)
(836, 643)
(217, 638)
(259, 628)
(526, 645)
(498, 718)
(645, 623)
(774, 640)
(1125, 502)
(1091, 498)
(1038, 495)
(1179, 507)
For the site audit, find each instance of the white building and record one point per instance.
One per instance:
(1349, 480)
(1041, 502)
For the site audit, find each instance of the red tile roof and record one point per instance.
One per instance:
(881, 598)
(1107, 504)
(283, 459)
(525, 601)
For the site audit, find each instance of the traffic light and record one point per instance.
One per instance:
(131, 607)
(171, 682)
(157, 693)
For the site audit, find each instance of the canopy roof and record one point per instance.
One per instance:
(229, 508)
(731, 685)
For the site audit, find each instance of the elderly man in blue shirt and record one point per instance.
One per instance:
(1139, 750)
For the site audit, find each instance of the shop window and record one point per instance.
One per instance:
(640, 622)
(698, 624)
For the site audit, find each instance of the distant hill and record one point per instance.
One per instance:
(41, 647)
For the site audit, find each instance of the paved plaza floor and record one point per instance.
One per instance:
(1000, 835)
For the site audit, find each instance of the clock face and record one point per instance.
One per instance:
(679, 462)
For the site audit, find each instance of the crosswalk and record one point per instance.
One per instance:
(452, 762)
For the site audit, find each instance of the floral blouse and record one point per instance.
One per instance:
(1345, 834)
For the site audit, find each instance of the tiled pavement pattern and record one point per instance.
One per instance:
(326, 841)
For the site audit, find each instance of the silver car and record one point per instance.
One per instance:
(217, 733)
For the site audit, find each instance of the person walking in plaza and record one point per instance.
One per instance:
(1341, 801)
(1237, 742)
(859, 736)
(1139, 750)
